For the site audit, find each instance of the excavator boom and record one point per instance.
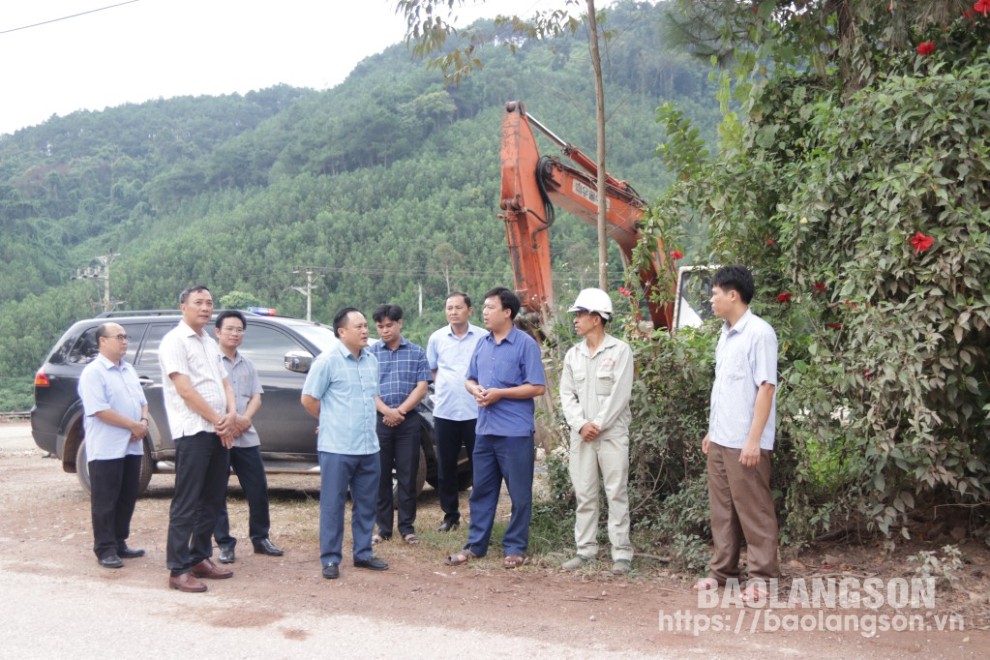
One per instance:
(532, 185)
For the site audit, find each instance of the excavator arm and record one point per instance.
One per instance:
(532, 185)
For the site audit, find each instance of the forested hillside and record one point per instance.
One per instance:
(390, 181)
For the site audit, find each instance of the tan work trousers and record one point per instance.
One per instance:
(741, 506)
(609, 460)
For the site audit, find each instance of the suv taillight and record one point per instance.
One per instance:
(40, 379)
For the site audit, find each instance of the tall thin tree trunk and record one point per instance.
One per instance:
(596, 63)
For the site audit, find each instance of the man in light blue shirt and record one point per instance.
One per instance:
(340, 391)
(740, 438)
(455, 412)
(115, 422)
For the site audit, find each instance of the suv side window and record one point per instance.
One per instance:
(85, 348)
(266, 347)
(152, 340)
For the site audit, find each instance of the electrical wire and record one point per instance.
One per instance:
(65, 18)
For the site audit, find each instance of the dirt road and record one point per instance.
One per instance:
(59, 601)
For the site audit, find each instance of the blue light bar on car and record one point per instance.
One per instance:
(262, 311)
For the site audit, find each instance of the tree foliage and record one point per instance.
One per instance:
(366, 179)
(864, 212)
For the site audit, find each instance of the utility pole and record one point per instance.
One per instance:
(310, 285)
(101, 271)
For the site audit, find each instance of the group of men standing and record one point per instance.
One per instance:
(211, 394)
(366, 402)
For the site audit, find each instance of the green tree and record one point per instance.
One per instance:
(861, 204)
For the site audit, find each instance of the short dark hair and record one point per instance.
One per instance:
(454, 294)
(196, 288)
(387, 311)
(340, 318)
(230, 314)
(508, 299)
(735, 278)
(102, 330)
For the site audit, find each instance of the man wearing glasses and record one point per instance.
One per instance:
(245, 455)
(115, 422)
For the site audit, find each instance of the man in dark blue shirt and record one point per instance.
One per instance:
(505, 376)
(404, 379)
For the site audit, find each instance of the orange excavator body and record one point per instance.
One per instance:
(532, 185)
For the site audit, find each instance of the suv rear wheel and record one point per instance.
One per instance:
(82, 469)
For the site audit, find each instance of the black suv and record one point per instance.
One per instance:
(281, 349)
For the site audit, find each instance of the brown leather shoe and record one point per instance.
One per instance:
(186, 582)
(210, 571)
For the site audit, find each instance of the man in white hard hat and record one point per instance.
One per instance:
(595, 388)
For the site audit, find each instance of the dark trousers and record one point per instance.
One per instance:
(202, 465)
(113, 493)
(250, 470)
(498, 457)
(338, 472)
(450, 436)
(399, 448)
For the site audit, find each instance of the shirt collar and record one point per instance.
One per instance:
(189, 332)
(471, 329)
(740, 323)
(346, 352)
(108, 363)
(509, 337)
(608, 342)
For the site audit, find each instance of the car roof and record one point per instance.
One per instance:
(175, 315)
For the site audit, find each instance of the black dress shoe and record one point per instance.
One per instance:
(373, 564)
(331, 571)
(129, 553)
(227, 555)
(448, 526)
(266, 547)
(111, 561)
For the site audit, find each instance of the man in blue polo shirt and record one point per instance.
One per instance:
(505, 375)
(115, 421)
(340, 391)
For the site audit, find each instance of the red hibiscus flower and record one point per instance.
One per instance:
(834, 326)
(926, 48)
(676, 254)
(784, 297)
(982, 6)
(624, 291)
(920, 242)
(819, 287)
(771, 242)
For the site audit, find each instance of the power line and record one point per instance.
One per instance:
(65, 18)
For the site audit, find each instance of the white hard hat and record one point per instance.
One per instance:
(593, 300)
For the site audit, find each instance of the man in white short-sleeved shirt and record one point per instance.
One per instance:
(202, 413)
(740, 438)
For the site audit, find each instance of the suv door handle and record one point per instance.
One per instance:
(145, 381)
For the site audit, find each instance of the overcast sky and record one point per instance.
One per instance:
(149, 49)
